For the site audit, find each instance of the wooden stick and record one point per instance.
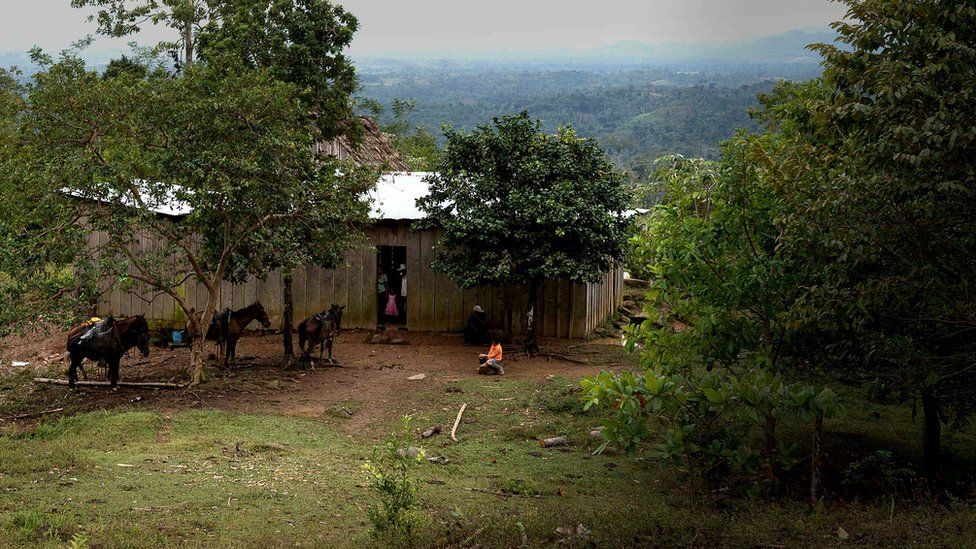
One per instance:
(132, 384)
(562, 357)
(32, 414)
(457, 422)
(552, 442)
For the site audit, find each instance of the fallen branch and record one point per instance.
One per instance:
(562, 357)
(131, 384)
(32, 414)
(457, 422)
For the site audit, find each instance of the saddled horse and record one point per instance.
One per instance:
(321, 329)
(108, 340)
(228, 326)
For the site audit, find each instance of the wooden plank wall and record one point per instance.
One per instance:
(434, 302)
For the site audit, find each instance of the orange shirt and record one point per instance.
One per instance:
(495, 352)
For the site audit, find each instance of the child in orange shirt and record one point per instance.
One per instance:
(491, 363)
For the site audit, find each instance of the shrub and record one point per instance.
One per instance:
(394, 517)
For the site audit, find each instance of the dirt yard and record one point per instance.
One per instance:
(371, 377)
(260, 456)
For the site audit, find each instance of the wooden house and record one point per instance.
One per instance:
(433, 303)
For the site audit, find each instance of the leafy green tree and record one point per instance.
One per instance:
(127, 17)
(517, 205)
(841, 237)
(301, 42)
(417, 145)
(899, 212)
(212, 142)
(37, 283)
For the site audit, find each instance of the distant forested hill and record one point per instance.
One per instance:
(637, 115)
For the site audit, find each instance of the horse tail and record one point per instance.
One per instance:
(301, 335)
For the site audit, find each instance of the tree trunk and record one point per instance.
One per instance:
(198, 353)
(932, 437)
(816, 463)
(287, 321)
(188, 43)
(531, 341)
(770, 446)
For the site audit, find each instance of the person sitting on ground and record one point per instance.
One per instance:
(491, 363)
(476, 328)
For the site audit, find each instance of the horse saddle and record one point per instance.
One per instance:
(323, 317)
(219, 323)
(102, 336)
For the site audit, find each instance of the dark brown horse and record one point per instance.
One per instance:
(107, 340)
(321, 329)
(227, 327)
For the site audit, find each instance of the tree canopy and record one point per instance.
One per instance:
(518, 205)
(839, 242)
(211, 144)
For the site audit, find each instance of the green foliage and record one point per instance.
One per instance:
(704, 422)
(120, 18)
(518, 205)
(417, 145)
(840, 238)
(38, 240)
(301, 42)
(394, 517)
(898, 215)
(213, 142)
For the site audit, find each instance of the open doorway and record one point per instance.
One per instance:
(391, 286)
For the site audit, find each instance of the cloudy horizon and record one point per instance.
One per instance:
(456, 28)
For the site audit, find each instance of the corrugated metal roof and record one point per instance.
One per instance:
(396, 195)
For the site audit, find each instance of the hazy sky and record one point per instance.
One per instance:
(447, 26)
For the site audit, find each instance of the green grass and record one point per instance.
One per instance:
(211, 478)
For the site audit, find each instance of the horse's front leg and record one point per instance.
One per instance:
(331, 360)
(231, 352)
(113, 371)
(73, 370)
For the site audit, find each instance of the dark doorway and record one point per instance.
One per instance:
(391, 286)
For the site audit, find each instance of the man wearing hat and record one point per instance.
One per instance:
(475, 330)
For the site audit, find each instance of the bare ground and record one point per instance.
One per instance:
(371, 384)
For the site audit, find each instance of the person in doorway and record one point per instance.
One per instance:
(491, 363)
(392, 312)
(382, 284)
(403, 291)
(475, 330)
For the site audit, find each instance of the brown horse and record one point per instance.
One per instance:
(106, 341)
(227, 327)
(321, 329)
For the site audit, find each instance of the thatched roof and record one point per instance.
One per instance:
(375, 149)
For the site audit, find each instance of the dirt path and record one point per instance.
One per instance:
(371, 386)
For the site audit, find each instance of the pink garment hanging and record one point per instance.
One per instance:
(391, 306)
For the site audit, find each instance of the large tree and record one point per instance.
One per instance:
(843, 238)
(300, 42)
(303, 43)
(120, 18)
(520, 206)
(900, 211)
(228, 147)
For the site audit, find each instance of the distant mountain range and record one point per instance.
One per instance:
(788, 48)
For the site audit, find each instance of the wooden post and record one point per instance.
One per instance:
(287, 320)
(816, 463)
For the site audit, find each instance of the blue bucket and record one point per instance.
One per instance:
(178, 336)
